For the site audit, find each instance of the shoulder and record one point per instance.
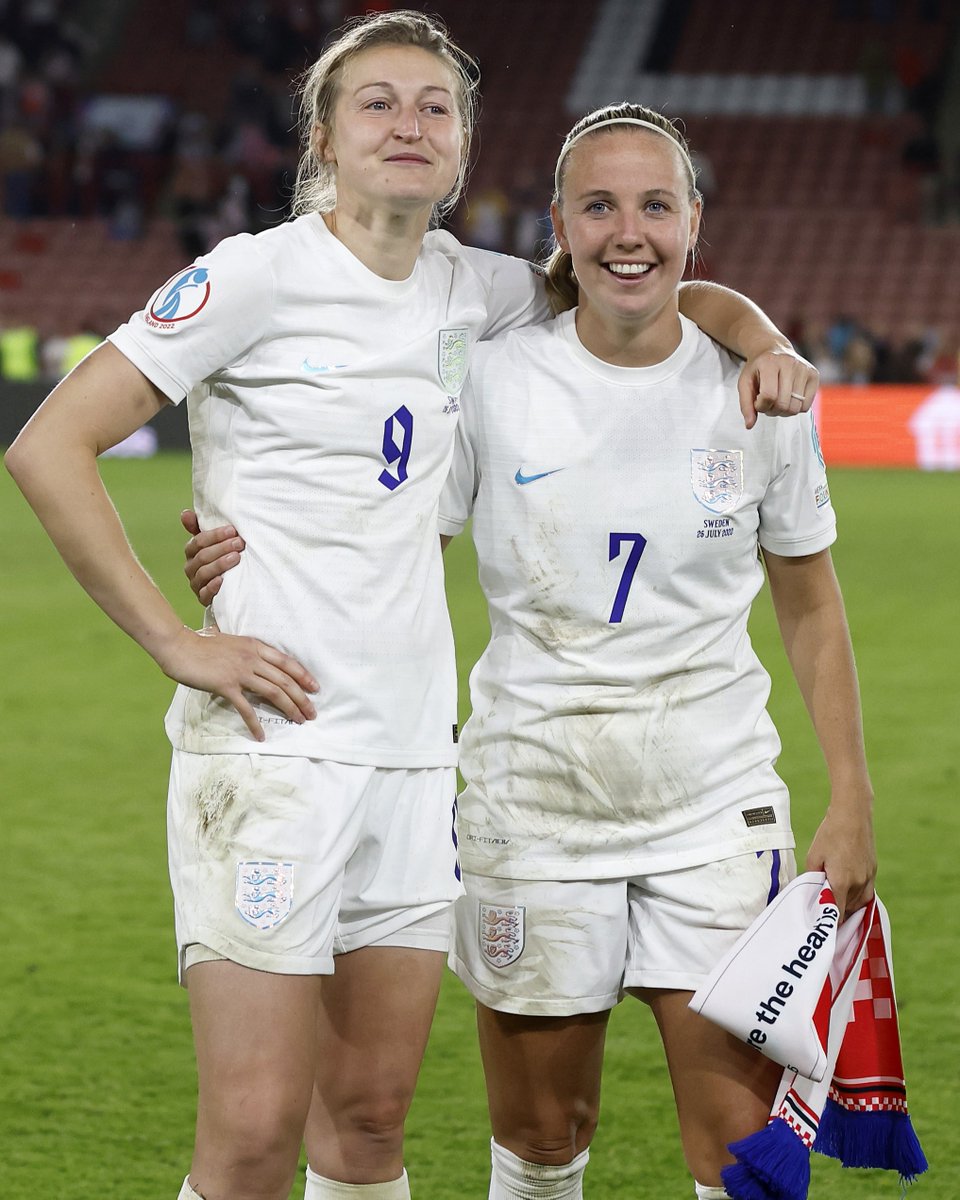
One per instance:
(709, 358)
(524, 341)
(291, 240)
(500, 274)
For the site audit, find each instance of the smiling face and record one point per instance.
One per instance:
(396, 136)
(627, 220)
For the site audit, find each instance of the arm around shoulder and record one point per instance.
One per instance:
(775, 380)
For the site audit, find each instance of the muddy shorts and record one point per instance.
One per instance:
(545, 948)
(280, 863)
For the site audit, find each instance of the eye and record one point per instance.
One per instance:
(599, 207)
(437, 110)
(656, 206)
(377, 105)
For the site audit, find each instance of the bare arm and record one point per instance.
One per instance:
(775, 379)
(54, 461)
(813, 625)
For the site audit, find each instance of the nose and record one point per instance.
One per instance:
(408, 124)
(629, 231)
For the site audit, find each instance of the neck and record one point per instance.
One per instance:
(628, 342)
(387, 243)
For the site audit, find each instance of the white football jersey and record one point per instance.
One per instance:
(619, 718)
(323, 402)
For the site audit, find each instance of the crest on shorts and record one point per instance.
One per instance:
(452, 359)
(264, 892)
(501, 933)
(716, 477)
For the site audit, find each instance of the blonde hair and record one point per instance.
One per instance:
(315, 188)
(562, 287)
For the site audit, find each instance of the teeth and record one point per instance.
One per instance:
(629, 268)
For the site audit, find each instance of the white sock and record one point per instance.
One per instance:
(187, 1192)
(514, 1179)
(319, 1188)
(711, 1193)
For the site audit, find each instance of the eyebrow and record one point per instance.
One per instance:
(605, 194)
(386, 85)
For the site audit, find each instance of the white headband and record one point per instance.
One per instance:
(572, 141)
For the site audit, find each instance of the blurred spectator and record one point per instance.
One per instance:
(234, 213)
(879, 79)
(20, 352)
(486, 218)
(706, 175)
(126, 221)
(76, 346)
(814, 345)
(10, 62)
(532, 230)
(203, 24)
(840, 332)
(944, 368)
(859, 359)
(21, 158)
(898, 356)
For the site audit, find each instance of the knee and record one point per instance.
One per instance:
(255, 1133)
(556, 1137)
(375, 1117)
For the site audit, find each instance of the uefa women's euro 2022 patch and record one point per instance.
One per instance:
(180, 298)
(452, 359)
(502, 933)
(264, 894)
(716, 477)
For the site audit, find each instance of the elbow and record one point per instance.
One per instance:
(15, 459)
(26, 457)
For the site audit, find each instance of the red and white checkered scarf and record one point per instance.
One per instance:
(817, 997)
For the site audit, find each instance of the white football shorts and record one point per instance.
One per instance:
(280, 863)
(547, 948)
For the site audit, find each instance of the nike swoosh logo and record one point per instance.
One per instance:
(306, 365)
(521, 478)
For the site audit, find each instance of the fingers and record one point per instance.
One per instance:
(238, 669)
(190, 521)
(747, 391)
(284, 684)
(209, 555)
(778, 383)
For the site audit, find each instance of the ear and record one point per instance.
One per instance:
(696, 211)
(322, 145)
(559, 231)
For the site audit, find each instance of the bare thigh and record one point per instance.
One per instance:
(255, 1037)
(724, 1088)
(372, 1027)
(543, 1081)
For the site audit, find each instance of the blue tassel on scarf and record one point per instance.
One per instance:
(772, 1164)
(872, 1139)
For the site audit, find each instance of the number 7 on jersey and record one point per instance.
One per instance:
(626, 579)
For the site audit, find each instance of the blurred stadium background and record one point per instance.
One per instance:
(134, 136)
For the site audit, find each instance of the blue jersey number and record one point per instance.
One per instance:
(395, 451)
(633, 558)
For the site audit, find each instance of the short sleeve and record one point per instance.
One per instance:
(203, 319)
(796, 516)
(515, 290)
(463, 480)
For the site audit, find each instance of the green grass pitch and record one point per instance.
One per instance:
(97, 1092)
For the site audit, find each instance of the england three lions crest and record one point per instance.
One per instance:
(501, 933)
(716, 477)
(264, 892)
(452, 359)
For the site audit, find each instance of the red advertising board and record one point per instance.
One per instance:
(890, 426)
